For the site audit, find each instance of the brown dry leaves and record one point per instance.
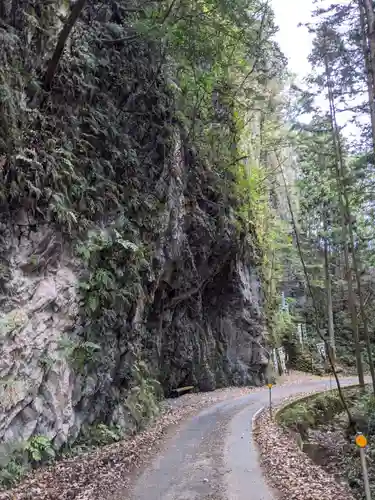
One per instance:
(98, 475)
(102, 473)
(290, 471)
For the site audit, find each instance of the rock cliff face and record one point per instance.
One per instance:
(121, 259)
(196, 321)
(37, 309)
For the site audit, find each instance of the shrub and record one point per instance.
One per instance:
(19, 458)
(39, 449)
(315, 410)
(12, 473)
(99, 435)
(142, 399)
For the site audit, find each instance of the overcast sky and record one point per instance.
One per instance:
(295, 42)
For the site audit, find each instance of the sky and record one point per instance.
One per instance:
(294, 41)
(296, 44)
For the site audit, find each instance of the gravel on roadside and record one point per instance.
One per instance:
(291, 473)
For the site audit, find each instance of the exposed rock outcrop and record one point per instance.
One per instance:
(197, 320)
(37, 309)
(105, 155)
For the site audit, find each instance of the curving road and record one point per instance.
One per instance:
(212, 456)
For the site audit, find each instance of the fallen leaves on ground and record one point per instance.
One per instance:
(99, 474)
(290, 471)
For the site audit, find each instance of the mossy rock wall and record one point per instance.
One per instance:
(119, 246)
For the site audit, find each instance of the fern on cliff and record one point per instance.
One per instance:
(92, 156)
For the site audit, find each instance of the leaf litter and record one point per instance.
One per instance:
(101, 473)
(288, 469)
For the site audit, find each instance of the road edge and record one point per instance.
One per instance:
(278, 452)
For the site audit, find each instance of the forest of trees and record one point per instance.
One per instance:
(334, 138)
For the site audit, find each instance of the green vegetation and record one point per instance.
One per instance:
(92, 437)
(143, 397)
(19, 458)
(39, 449)
(11, 322)
(322, 430)
(79, 353)
(312, 411)
(12, 473)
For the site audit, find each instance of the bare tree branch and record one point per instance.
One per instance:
(59, 49)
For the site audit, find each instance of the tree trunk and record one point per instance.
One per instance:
(315, 309)
(17, 18)
(339, 167)
(2, 10)
(13, 13)
(368, 48)
(59, 49)
(362, 307)
(368, 10)
(331, 329)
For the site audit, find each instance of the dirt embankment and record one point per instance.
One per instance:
(292, 472)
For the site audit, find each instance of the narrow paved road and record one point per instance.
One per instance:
(212, 456)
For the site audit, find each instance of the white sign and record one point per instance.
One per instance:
(282, 357)
(321, 348)
(300, 333)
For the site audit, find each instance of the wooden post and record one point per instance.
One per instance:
(361, 442)
(270, 399)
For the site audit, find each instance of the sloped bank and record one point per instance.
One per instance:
(287, 468)
(328, 439)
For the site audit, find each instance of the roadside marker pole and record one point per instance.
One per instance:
(270, 393)
(361, 442)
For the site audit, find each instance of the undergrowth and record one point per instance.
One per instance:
(328, 439)
(315, 410)
(19, 458)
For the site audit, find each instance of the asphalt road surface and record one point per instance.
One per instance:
(212, 456)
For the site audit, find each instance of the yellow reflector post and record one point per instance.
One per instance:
(361, 441)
